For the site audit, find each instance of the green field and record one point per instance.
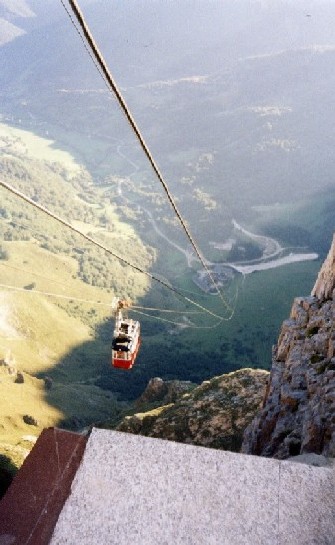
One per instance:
(39, 332)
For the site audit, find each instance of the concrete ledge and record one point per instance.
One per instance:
(307, 505)
(134, 489)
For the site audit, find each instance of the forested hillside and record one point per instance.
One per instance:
(68, 191)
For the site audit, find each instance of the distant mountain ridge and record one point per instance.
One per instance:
(16, 8)
(11, 14)
(265, 106)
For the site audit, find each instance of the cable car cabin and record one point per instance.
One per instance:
(126, 342)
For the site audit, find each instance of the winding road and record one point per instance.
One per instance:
(272, 251)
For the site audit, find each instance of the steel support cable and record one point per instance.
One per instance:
(85, 43)
(107, 250)
(168, 311)
(57, 295)
(113, 86)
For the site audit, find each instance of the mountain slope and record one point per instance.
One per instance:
(10, 11)
(213, 414)
(56, 292)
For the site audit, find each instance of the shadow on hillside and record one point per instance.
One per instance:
(85, 387)
(7, 472)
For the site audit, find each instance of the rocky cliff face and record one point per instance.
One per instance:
(298, 413)
(214, 414)
(325, 284)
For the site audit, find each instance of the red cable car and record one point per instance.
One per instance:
(126, 338)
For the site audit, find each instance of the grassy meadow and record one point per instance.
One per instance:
(51, 343)
(38, 333)
(21, 142)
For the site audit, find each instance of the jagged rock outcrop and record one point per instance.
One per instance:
(30, 420)
(213, 414)
(19, 378)
(298, 413)
(325, 284)
(164, 391)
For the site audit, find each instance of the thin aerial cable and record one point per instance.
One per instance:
(107, 250)
(180, 324)
(171, 311)
(109, 305)
(2, 264)
(73, 21)
(160, 319)
(117, 93)
(57, 295)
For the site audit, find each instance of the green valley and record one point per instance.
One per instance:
(240, 120)
(60, 346)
